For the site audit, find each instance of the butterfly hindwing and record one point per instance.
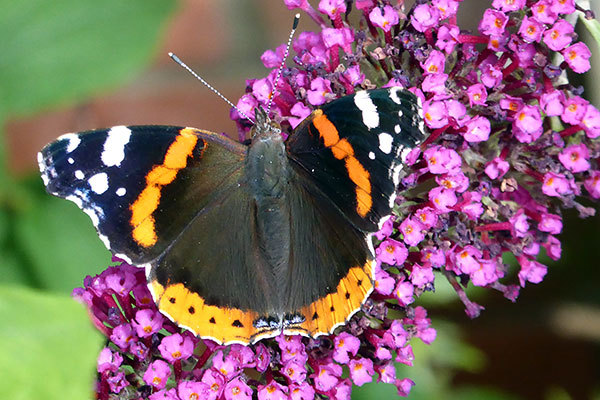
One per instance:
(353, 149)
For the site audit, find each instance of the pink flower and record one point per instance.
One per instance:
(441, 160)
(294, 371)
(563, 6)
(176, 347)
(343, 37)
(497, 168)
(559, 36)
(404, 293)
(477, 94)
(508, 5)
(109, 360)
(327, 376)
(467, 260)
(332, 8)
(391, 252)
(227, 366)
(578, 57)
(529, 119)
(447, 38)
(387, 372)
(353, 75)
(421, 276)
(485, 274)
(575, 158)
(412, 234)
(591, 122)
(434, 64)
(592, 184)
(493, 23)
(550, 223)
(237, 389)
(478, 129)
(404, 386)
(543, 12)
(384, 283)
(361, 371)
(531, 30)
(531, 271)
(301, 391)
(442, 199)
(343, 345)
(192, 390)
(123, 335)
(320, 91)
(157, 374)
(299, 112)
(574, 111)
(147, 322)
(215, 382)
(384, 18)
(425, 17)
(555, 185)
(435, 114)
(426, 216)
(272, 59)
(552, 103)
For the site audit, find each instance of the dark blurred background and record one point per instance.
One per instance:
(71, 65)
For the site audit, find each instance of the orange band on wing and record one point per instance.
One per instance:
(188, 309)
(336, 308)
(142, 221)
(343, 150)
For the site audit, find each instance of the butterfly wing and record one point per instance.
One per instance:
(330, 265)
(346, 157)
(174, 205)
(140, 202)
(353, 149)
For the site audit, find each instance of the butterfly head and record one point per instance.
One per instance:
(264, 128)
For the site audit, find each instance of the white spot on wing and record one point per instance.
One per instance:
(121, 192)
(370, 116)
(99, 183)
(371, 155)
(385, 142)
(397, 128)
(79, 174)
(394, 95)
(70, 160)
(114, 146)
(73, 140)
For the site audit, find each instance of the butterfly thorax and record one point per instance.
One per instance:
(267, 176)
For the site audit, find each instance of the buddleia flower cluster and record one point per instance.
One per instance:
(511, 144)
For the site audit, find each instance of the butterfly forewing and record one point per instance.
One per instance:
(354, 147)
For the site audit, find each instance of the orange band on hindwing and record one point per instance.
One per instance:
(188, 309)
(142, 220)
(336, 308)
(343, 150)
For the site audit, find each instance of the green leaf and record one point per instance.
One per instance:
(59, 243)
(593, 26)
(61, 50)
(48, 347)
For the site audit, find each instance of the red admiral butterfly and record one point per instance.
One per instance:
(242, 242)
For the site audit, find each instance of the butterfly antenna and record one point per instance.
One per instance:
(285, 55)
(208, 85)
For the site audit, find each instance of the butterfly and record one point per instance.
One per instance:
(243, 242)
